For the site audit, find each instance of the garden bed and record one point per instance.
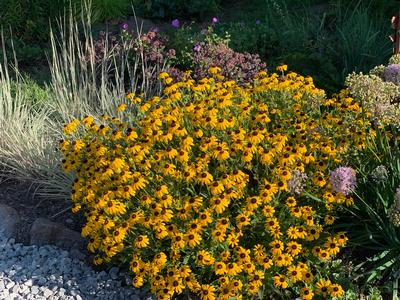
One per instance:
(30, 207)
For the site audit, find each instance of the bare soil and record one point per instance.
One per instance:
(23, 198)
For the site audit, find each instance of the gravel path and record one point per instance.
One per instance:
(31, 272)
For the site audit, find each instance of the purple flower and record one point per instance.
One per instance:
(343, 180)
(392, 73)
(197, 48)
(258, 22)
(215, 20)
(125, 26)
(175, 23)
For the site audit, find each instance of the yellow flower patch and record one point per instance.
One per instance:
(196, 192)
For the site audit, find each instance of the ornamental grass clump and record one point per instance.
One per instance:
(192, 194)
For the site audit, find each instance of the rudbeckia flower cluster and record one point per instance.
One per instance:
(191, 189)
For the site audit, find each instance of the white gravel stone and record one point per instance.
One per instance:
(35, 290)
(46, 272)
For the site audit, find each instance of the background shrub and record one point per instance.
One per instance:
(177, 8)
(326, 42)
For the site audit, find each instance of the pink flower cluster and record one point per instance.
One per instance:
(343, 180)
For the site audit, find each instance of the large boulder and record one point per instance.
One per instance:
(45, 232)
(9, 219)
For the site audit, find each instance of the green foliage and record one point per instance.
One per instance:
(27, 24)
(30, 19)
(30, 89)
(177, 8)
(373, 294)
(183, 40)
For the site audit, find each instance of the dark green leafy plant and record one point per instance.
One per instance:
(106, 10)
(372, 232)
(361, 39)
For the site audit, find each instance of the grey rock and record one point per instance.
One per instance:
(102, 275)
(45, 232)
(9, 219)
(114, 272)
(42, 251)
(91, 282)
(77, 254)
(42, 280)
(64, 254)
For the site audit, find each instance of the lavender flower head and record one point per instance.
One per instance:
(175, 23)
(258, 21)
(125, 26)
(380, 174)
(392, 73)
(397, 195)
(197, 47)
(343, 180)
(215, 20)
(296, 182)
